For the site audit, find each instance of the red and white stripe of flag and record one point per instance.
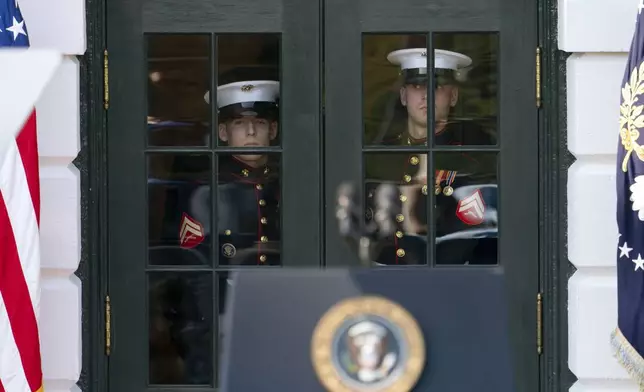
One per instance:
(20, 361)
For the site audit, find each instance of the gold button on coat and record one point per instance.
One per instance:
(407, 178)
(245, 173)
(264, 238)
(262, 258)
(227, 232)
(259, 187)
(414, 160)
(262, 202)
(400, 218)
(264, 220)
(400, 252)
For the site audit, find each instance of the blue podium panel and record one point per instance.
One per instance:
(442, 329)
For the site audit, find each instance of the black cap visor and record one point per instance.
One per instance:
(419, 76)
(266, 110)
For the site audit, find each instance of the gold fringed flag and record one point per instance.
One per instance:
(628, 337)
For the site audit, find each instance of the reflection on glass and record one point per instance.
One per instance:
(178, 76)
(385, 117)
(396, 83)
(408, 171)
(466, 96)
(248, 89)
(465, 225)
(248, 187)
(180, 314)
(179, 209)
(466, 208)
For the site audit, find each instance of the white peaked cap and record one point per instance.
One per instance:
(246, 91)
(417, 58)
(364, 327)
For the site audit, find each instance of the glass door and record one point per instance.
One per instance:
(214, 165)
(438, 100)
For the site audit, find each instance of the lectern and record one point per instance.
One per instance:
(371, 329)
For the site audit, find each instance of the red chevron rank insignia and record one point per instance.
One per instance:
(470, 209)
(191, 232)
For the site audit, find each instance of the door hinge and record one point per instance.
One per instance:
(106, 80)
(539, 323)
(108, 325)
(538, 75)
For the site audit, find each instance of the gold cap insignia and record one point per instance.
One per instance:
(247, 87)
(352, 331)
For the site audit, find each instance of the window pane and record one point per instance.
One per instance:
(178, 77)
(179, 209)
(248, 210)
(385, 114)
(180, 314)
(465, 94)
(248, 88)
(395, 81)
(466, 189)
(408, 172)
(465, 192)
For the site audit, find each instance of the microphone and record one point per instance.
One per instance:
(387, 207)
(364, 237)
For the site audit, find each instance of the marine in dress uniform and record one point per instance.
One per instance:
(247, 227)
(465, 227)
(248, 185)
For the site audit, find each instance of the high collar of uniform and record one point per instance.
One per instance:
(411, 141)
(240, 170)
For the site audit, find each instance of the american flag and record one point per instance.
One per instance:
(628, 337)
(20, 362)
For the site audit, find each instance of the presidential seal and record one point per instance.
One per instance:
(368, 344)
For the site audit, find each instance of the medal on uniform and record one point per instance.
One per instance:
(439, 179)
(448, 190)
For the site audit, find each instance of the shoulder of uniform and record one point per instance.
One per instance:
(227, 167)
(475, 132)
(464, 124)
(273, 165)
(225, 160)
(392, 139)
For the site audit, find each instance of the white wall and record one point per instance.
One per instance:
(59, 25)
(598, 34)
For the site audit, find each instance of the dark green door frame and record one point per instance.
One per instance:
(554, 160)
